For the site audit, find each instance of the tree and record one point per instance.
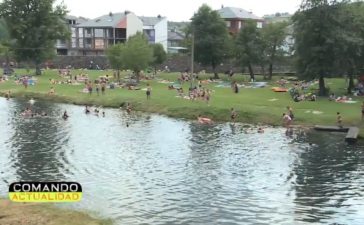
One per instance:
(249, 47)
(350, 47)
(210, 37)
(159, 56)
(273, 36)
(5, 44)
(315, 31)
(136, 54)
(114, 54)
(35, 26)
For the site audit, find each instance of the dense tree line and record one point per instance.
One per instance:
(328, 39)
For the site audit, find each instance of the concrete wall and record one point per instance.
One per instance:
(134, 24)
(161, 33)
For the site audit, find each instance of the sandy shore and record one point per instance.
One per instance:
(43, 214)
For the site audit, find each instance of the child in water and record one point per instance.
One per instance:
(65, 115)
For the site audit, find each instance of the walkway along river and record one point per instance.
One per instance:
(168, 171)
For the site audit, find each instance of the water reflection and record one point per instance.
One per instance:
(329, 181)
(37, 143)
(167, 171)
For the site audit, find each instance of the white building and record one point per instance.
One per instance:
(156, 30)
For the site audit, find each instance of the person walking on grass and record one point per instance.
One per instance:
(339, 120)
(89, 88)
(97, 89)
(103, 87)
(149, 91)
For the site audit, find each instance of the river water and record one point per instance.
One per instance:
(168, 171)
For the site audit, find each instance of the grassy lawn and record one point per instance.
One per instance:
(252, 105)
(42, 214)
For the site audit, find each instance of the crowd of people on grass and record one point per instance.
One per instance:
(300, 91)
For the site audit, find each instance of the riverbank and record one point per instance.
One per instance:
(254, 105)
(42, 214)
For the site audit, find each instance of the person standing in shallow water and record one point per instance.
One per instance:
(149, 91)
(290, 112)
(233, 115)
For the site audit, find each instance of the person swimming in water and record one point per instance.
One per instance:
(128, 108)
(203, 120)
(31, 101)
(7, 95)
(87, 110)
(65, 115)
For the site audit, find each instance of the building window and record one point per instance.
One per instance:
(99, 32)
(228, 23)
(99, 44)
(88, 32)
(110, 33)
(74, 43)
(259, 24)
(80, 32)
(150, 35)
(88, 43)
(80, 41)
(74, 32)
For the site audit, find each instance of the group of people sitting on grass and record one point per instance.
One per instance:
(298, 96)
(25, 80)
(200, 93)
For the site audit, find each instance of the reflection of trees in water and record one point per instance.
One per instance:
(205, 141)
(37, 143)
(322, 184)
(204, 166)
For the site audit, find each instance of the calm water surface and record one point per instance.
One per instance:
(167, 171)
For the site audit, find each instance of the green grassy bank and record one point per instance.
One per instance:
(43, 214)
(254, 105)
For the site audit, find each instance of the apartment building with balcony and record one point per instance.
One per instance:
(67, 47)
(94, 36)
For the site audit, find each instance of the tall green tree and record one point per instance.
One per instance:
(159, 56)
(273, 36)
(350, 46)
(210, 37)
(249, 47)
(315, 28)
(5, 44)
(35, 25)
(115, 57)
(136, 54)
